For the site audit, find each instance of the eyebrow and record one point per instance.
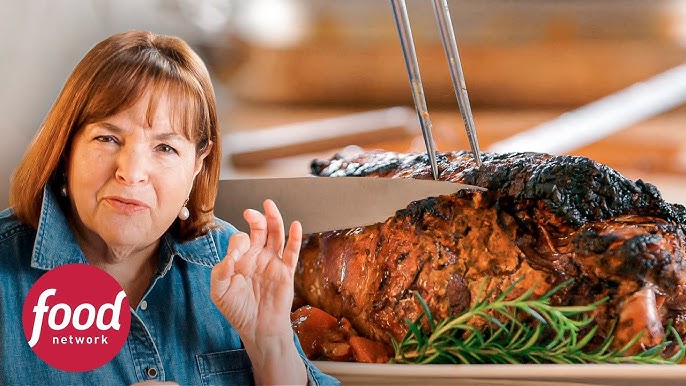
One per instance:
(159, 136)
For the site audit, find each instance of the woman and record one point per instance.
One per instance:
(123, 175)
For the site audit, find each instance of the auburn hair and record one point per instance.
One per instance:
(110, 78)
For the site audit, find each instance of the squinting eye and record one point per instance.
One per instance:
(105, 138)
(166, 148)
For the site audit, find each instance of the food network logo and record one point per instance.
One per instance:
(76, 317)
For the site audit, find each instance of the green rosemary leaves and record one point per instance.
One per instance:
(559, 334)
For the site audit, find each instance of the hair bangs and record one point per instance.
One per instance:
(118, 85)
(188, 109)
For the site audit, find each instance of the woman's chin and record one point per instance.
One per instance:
(127, 236)
(127, 242)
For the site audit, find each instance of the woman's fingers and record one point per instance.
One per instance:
(223, 272)
(290, 254)
(275, 232)
(239, 244)
(258, 227)
(220, 278)
(267, 234)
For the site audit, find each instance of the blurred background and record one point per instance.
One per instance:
(304, 79)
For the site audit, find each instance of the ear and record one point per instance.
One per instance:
(201, 158)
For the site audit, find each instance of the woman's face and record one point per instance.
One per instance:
(127, 180)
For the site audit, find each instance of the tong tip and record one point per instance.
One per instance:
(477, 158)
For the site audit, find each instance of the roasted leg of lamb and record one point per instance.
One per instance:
(544, 219)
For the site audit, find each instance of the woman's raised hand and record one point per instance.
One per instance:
(253, 285)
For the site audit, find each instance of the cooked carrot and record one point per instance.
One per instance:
(321, 335)
(369, 351)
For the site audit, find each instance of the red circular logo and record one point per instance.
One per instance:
(76, 317)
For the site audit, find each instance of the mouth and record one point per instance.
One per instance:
(126, 205)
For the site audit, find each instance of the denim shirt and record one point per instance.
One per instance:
(177, 334)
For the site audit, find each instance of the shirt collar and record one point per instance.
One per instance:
(56, 244)
(202, 250)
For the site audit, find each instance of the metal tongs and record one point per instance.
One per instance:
(450, 45)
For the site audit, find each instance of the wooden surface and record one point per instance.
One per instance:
(653, 150)
(541, 73)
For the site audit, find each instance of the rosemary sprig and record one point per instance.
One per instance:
(559, 334)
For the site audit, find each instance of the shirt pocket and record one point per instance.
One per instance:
(230, 367)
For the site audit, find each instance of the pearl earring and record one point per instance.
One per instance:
(184, 213)
(63, 190)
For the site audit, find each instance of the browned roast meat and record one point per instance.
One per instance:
(544, 219)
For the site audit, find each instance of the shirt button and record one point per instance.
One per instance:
(152, 372)
(144, 305)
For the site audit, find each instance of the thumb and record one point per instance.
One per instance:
(220, 278)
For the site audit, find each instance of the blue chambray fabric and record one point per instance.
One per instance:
(180, 333)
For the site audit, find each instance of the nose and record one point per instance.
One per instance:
(132, 166)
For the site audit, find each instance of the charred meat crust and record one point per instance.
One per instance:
(544, 218)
